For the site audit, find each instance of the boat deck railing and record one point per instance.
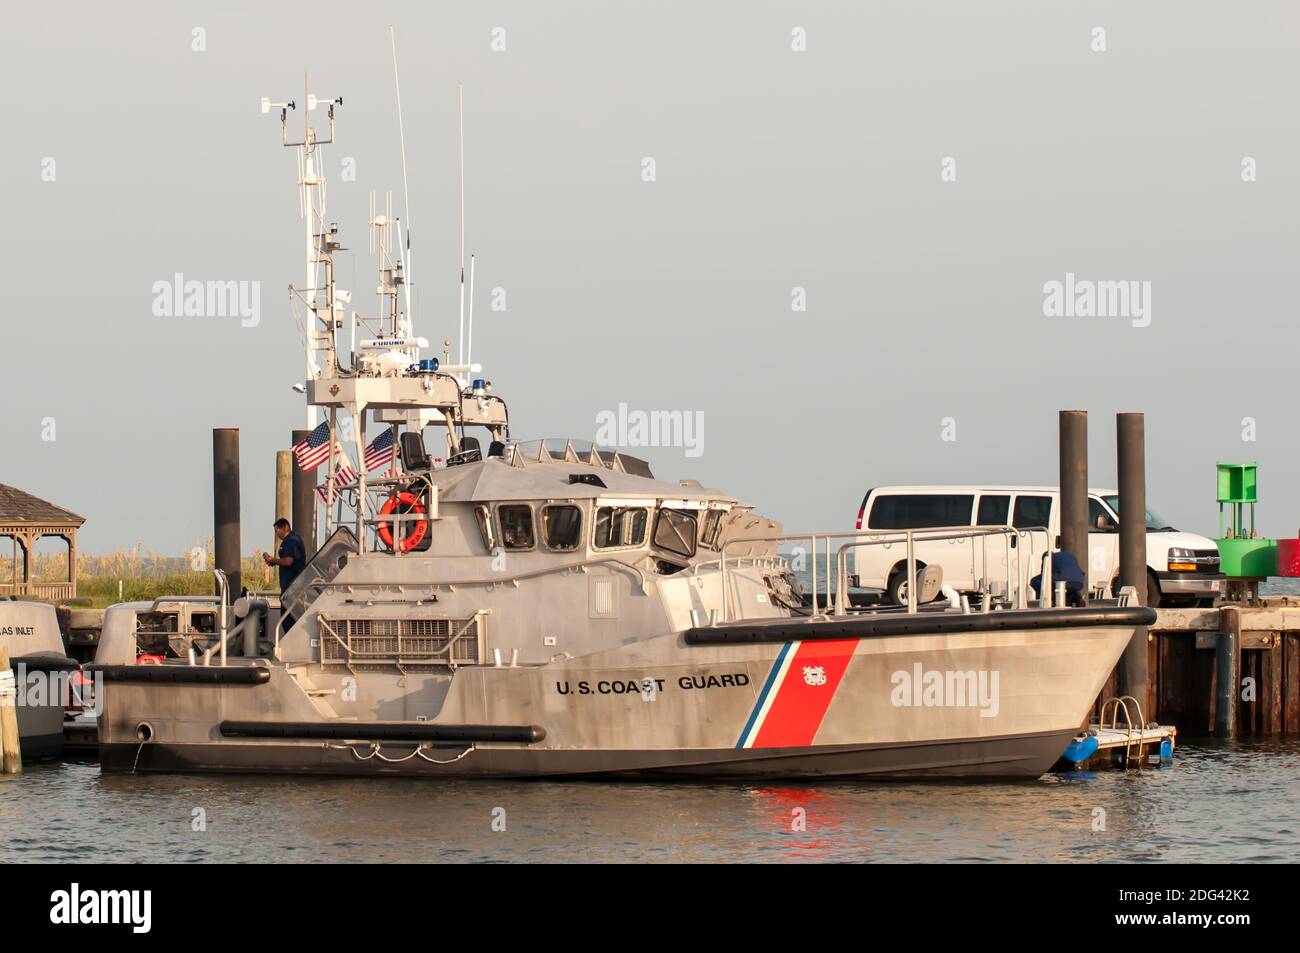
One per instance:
(513, 578)
(1017, 570)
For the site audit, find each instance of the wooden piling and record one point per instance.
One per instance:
(283, 497)
(1135, 669)
(1227, 669)
(304, 501)
(225, 505)
(1290, 683)
(11, 758)
(1073, 451)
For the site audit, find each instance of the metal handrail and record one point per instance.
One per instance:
(841, 564)
(881, 538)
(1129, 740)
(768, 562)
(498, 580)
(223, 588)
(223, 640)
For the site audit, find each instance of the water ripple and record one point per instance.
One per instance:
(1218, 803)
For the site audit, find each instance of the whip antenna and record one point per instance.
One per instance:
(460, 338)
(406, 190)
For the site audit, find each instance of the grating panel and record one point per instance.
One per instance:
(406, 643)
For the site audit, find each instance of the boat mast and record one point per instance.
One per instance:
(319, 331)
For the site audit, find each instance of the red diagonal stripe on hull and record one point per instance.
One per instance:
(798, 709)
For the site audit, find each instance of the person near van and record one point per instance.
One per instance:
(1066, 569)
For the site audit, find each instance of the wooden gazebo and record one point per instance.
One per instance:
(25, 519)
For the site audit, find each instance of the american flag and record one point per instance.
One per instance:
(342, 477)
(314, 449)
(380, 451)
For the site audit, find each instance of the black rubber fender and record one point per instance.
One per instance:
(45, 662)
(383, 731)
(183, 674)
(920, 623)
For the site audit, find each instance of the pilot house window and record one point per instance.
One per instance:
(516, 521)
(562, 527)
(620, 526)
(710, 525)
(484, 516)
(675, 532)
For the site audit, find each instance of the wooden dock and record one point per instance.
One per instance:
(1196, 655)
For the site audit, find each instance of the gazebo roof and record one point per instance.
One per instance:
(17, 506)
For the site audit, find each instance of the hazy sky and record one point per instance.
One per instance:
(775, 169)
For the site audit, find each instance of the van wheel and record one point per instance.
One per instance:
(896, 588)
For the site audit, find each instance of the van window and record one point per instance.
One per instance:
(675, 531)
(562, 527)
(993, 510)
(1099, 520)
(1032, 511)
(619, 526)
(516, 521)
(921, 510)
(1155, 523)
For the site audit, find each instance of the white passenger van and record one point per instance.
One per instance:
(1182, 568)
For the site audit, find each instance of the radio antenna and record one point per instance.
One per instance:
(469, 339)
(406, 190)
(460, 338)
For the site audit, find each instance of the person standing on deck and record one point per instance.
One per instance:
(293, 554)
(292, 560)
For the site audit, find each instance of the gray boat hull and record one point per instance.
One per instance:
(816, 707)
(1017, 757)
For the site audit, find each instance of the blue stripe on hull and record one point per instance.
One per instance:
(762, 696)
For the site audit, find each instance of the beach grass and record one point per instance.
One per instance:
(137, 574)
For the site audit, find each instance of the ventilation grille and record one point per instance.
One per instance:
(401, 643)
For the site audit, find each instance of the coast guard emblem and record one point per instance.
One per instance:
(814, 675)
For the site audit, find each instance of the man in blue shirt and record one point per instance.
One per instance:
(1066, 569)
(293, 554)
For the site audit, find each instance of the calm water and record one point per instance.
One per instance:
(1218, 802)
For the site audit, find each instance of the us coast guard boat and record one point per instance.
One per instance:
(552, 608)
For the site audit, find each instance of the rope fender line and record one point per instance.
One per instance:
(377, 752)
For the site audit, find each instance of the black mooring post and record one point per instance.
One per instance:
(225, 504)
(1130, 430)
(1227, 664)
(304, 500)
(1074, 488)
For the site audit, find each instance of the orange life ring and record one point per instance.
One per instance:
(412, 504)
(147, 659)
